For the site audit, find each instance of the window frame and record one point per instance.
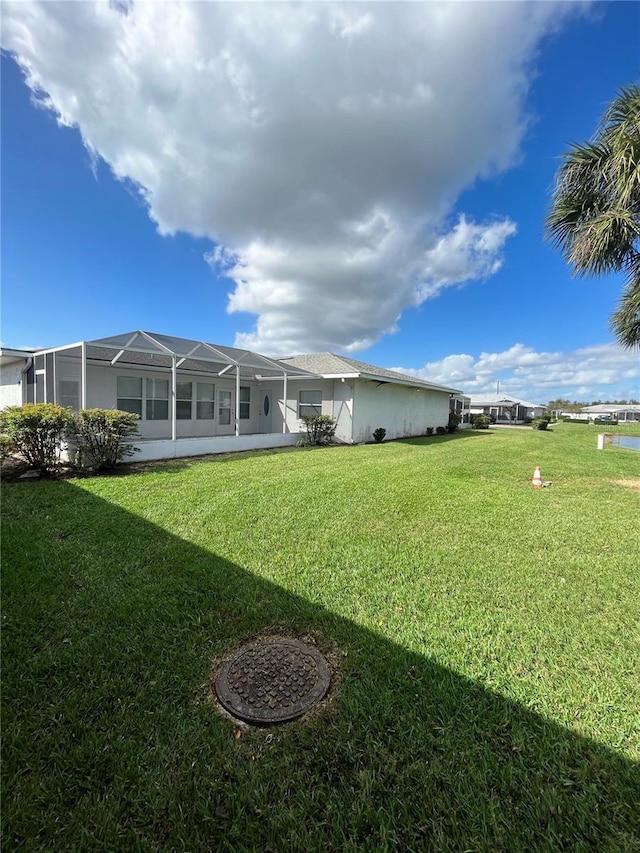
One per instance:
(225, 412)
(130, 401)
(315, 407)
(244, 406)
(202, 402)
(180, 410)
(154, 404)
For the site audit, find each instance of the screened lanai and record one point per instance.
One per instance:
(179, 388)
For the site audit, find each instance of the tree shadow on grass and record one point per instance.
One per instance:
(111, 740)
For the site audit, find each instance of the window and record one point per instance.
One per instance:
(183, 401)
(310, 404)
(205, 397)
(157, 399)
(224, 408)
(130, 395)
(244, 403)
(69, 394)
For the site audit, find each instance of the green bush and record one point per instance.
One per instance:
(454, 421)
(429, 430)
(379, 434)
(480, 421)
(540, 423)
(320, 429)
(38, 431)
(101, 435)
(6, 446)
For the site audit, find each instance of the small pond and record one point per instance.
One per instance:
(631, 442)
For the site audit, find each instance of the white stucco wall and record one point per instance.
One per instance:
(329, 405)
(342, 409)
(360, 406)
(402, 410)
(11, 384)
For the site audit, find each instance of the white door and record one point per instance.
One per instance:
(265, 412)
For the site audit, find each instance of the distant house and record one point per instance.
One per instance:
(506, 410)
(612, 411)
(194, 397)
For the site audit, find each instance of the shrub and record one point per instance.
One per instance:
(441, 430)
(379, 434)
(37, 431)
(6, 446)
(480, 421)
(540, 423)
(102, 436)
(454, 421)
(320, 429)
(429, 430)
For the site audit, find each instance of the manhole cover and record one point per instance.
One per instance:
(272, 681)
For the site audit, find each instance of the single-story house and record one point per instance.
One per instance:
(612, 411)
(506, 410)
(193, 397)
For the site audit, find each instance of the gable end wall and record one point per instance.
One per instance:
(402, 410)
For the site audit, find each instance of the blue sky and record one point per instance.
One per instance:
(369, 179)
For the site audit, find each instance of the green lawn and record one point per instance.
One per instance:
(484, 636)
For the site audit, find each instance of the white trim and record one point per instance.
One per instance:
(174, 391)
(83, 376)
(164, 448)
(237, 406)
(154, 341)
(59, 349)
(284, 400)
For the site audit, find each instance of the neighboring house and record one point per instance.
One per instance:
(362, 397)
(13, 366)
(612, 411)
(194, 397)
(506, 410)
(569, 416)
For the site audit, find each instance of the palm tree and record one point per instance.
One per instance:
(595, 213)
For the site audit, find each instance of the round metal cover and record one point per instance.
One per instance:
(272, 681)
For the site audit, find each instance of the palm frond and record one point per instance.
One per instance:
(594, 218)
(625, 321)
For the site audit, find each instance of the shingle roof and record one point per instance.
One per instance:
(611, 407)
(329, 364)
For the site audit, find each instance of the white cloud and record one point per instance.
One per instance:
(320, 147)
(604, 372)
